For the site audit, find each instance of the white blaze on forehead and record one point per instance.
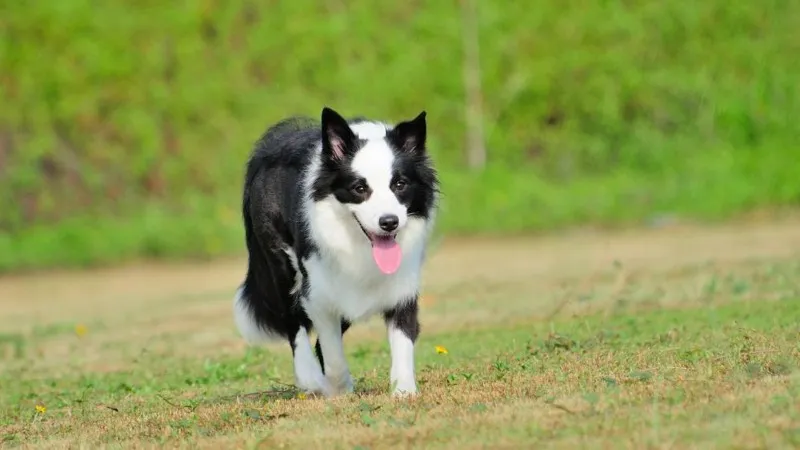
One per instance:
(374, 162)
(369, 130)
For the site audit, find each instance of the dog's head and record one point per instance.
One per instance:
(382, 175)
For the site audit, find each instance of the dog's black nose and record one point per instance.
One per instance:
(388, 222)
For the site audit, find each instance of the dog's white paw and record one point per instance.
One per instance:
(315, 384)
(341, 384)
(404, 389)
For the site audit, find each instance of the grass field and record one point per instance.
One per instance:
(670, 338)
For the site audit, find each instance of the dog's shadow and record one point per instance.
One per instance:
(282, 391)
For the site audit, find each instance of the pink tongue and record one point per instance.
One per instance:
(387, 255)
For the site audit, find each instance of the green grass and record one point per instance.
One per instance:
(705, 377)
(696, 356)
(126, 127)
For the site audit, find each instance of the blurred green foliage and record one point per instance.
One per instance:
(124, 126)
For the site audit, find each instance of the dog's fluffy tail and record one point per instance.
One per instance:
(248, 326)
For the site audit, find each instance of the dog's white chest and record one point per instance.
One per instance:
(358, 295)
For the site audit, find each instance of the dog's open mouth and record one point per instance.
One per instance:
(385, 250)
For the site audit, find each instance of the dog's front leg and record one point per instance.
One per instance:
(403, 328)
(329, 337)
(307, 371)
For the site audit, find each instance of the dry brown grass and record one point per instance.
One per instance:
(682, 338)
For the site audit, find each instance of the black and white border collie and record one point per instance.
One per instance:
(337, 215)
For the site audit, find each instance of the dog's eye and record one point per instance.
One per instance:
(359, 189)
(400, 185)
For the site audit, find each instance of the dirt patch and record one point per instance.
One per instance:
(153, 294)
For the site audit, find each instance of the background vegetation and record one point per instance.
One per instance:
(124, 127)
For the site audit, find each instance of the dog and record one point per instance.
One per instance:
(337, 214)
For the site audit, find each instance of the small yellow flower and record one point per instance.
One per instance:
(441, 350)
(301, 396)
(41, 409)
(81, 330)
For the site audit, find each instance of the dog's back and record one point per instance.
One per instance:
(270, 209)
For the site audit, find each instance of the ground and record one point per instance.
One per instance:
(679, 337)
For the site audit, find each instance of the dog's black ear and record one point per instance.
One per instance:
(337, 137)
(410, 136)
